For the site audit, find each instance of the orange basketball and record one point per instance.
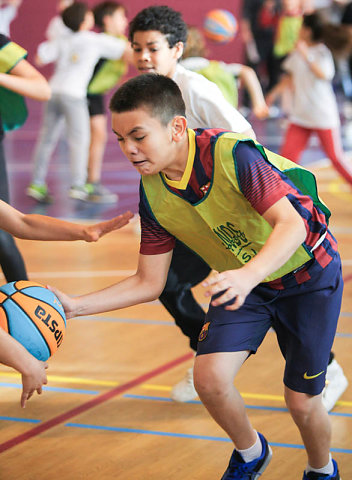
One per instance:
(34, 316)
(220, 26)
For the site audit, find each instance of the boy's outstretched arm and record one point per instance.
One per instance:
(14, 355)
(144, 286)
(288, 233)
(41, 227)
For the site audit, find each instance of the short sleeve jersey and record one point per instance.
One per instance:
(10, 55)
(261, 184)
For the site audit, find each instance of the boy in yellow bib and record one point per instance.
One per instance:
(255, 218)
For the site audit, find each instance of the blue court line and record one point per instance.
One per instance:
(54, 389)
(249, 407)
(20, 419)
(140, 321)
(183, 435)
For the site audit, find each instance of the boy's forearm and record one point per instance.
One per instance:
(13, 354)
(37, 227)
(283, 242)
(130, 291)
(144, 286)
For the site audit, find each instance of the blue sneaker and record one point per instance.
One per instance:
(321, 476)
(240, 470)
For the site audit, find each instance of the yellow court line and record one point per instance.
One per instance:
(147, 386)
(60, 379)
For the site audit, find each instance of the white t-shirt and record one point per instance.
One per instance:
(314, 102)
(206, 106)
(7, 14)
(56, 28)
(197, 63)
(76, 56)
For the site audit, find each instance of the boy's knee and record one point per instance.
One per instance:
(210, 382)
(301, 405)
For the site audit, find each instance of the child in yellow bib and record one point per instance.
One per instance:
(257, 219)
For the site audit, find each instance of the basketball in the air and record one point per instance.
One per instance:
(220, 26)
(34, 316)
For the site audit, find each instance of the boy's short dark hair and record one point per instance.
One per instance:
(105, 8)
(73, 16)
(162, 19)
(158, 94)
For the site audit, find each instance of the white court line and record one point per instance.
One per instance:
(105, 273)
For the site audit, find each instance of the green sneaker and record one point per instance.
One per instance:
(101, 194)
(80, 192)
(39, 193)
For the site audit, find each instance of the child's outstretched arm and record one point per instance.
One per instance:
(14, 355)
(40, 227)
(144, 286)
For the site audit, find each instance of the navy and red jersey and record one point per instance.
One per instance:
(261, 183)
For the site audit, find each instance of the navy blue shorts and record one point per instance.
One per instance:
(304, 318)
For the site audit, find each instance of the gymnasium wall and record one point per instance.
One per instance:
(33, 16)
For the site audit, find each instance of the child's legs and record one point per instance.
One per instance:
(224, 343)
(305, 324)
(213, 378)
(313, 422)
(78, 137)
(49, 133)
(98, 137)
(330, 140)
(295, 142)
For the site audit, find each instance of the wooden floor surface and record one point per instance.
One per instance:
(106, 412)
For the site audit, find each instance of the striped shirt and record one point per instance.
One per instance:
(262, 184)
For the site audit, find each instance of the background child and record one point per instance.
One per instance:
(309, 73)
(17, 78)
(75, 56)
(110, 18)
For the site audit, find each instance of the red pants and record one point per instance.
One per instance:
(296, 139)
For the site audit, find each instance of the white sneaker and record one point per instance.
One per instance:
(184, 390)
(336, 384)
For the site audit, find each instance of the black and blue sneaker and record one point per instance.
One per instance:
(240, 470)
(320, 476)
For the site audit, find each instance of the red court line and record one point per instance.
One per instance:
(43, 427)
(347, 278)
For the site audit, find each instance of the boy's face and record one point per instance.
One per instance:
(144, 140)
(116, 23)
(152, 54)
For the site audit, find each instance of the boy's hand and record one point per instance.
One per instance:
(67, 302)
(94, 232)
(235, 285)
(33, 380)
